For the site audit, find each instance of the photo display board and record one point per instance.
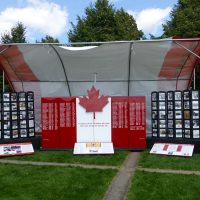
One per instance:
(17, 118)
(175, 114)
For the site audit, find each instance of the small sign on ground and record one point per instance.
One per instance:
(185, 150)
(16, 149)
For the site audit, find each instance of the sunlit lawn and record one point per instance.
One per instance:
(68, 157)
(25, 182)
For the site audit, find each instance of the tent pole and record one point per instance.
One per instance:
(3, 81)
(95, 78)
(187, 49)
(194, 83)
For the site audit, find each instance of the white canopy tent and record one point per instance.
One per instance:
(126, 68)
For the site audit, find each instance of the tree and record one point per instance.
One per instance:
(102, 22)
(49, 39)
(185, 20)
(16, 35)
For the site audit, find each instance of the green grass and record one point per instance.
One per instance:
(169, 162)
(24, 182)
(155, 186)
(68, 157)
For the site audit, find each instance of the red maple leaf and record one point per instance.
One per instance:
(93, 103)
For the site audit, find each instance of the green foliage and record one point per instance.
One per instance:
(169, 162)
(185, 20)
(68, 157)
(102, 22)
(156, 186)
(24, 182)
(16, 35)
(49, 39)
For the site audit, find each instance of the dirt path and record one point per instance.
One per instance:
(20, 162)
(169, 171)
(120, 184)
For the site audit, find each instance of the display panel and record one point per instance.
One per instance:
(175, 114)
(17, 115)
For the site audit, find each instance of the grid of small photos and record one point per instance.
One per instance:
(17, 119)
(175, 114)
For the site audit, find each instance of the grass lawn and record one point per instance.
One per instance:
(68, 157)
(26, 182)
(155, 186)
(169, 162)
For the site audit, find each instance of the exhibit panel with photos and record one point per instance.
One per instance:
(175, 114)
(17, 118)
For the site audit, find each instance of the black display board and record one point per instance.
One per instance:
(175, 114)
(17, 119)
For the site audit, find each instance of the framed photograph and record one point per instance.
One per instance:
(187, 133)
(195, 95)
(15, 133)
(161, 96)
(31, 123)
(162, 133)
(31, 114)
(162, 105)
(178, 114)
(6, 106)
(195, 104)
(154, 114)
(170, 124)
(195, 123)
(30, 96)
(170, 105)
(6, 116)
(22, 105)
(30, 105)
(162, 114)
(31, 132)
(195, 114)
(154, 132)
(14, 124)
(170, 133)
(187, 123)
(6, 125)
(195, 133)
(6, 97)
(154, 105)
(178, 105)
(186, 95)
(186, 105)
(23, 133)
(178, 123)
(23, 124)
(22, 114)
(162, 124)
(179, 133)
(178, 95)
(170, 114)
(14, 115)
(14, 106)
(155, 124)
(22, 96)
(170, 95)
(186, 114)
(154, 96)
(13, 97)
(6, 134)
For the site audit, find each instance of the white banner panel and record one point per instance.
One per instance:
(16, 149)
(92, 128)
(94, 148)
(172, 149)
